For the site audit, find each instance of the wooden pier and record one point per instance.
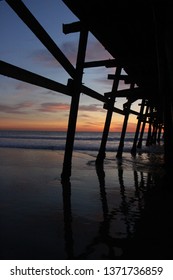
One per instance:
(137, 34)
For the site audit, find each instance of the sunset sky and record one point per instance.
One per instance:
(24, 106)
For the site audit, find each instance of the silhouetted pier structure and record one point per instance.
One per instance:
(137, 34)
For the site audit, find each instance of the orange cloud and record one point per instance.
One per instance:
(91, 108)
(54, 107)
(90, 117)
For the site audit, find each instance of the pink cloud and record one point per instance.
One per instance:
(16, 109)
(24, 86)
(43, 56)
(91, 108)
(54, 107)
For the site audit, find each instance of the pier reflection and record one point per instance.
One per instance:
(68, 232)
(124, 204)
(118, 226)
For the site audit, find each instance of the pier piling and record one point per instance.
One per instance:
(110, 105)
(133, 150)
(123, 132)
(76, 90)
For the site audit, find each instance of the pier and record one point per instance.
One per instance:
(91, 201)
(138, 37)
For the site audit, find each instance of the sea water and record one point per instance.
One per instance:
(56, 140)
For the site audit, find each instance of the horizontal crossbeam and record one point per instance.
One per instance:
(101, 63)
(23, 75)
(71, 27)
(18, 73)
(138, 93)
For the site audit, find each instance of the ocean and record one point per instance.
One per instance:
(84, 141)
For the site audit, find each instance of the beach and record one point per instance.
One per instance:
(121, 210)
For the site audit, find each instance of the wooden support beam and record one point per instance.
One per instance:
(133, 150)
(23, 75)
(124, 78)
(119, 111)
(27, 17)
(107, 106)
(112, 77)
(76, 88)
(159, 133)
(123, 132)
(148, 142)
(151, 115)
(108, 63)
(168, 134)
(134, 112)
(139, 145)
(101, 154)
(156, 132)
(26, 76)
(164, 44)
(149, 139)
(137, 93)
(71, 27)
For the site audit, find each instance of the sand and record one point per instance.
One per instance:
(120, 211)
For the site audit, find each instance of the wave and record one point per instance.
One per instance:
(32, 137)
(81, 138)
(31, 146)
(84, 141)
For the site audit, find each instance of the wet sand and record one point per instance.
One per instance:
(122, 210)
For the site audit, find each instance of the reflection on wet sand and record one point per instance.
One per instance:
(68, 233)
(130, 214)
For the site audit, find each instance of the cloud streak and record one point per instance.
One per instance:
(50, 107)
(16, 109)
(55, 107)
(91, 108)
(26, 87)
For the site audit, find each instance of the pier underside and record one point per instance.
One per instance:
(138, 36)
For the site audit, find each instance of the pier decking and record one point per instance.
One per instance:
(137, 34)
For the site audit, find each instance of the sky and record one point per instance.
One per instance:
(27, 107)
